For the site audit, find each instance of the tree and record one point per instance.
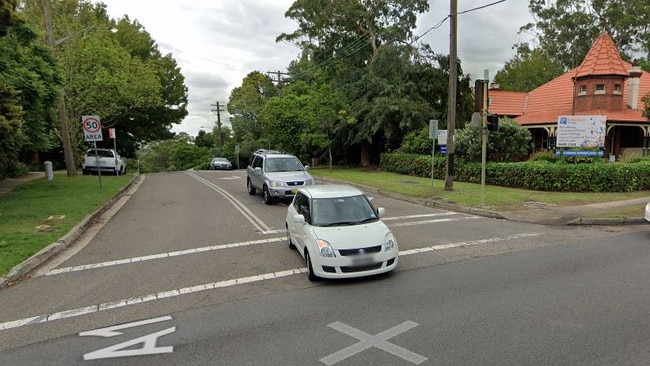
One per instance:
(28, 83)
(99, 68)
(204, 139)
(566, 29)
(510, 143)
(245, 104)
(10, 119)
(527, 70)
(344, 39)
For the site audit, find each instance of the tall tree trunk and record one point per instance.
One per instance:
(364, 155)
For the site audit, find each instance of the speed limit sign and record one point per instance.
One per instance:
(92, 128)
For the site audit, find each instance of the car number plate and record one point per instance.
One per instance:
(363, 261)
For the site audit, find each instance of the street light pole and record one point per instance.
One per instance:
(63, 115)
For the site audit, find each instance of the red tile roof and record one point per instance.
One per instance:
(508, 103)
(555, 98)
(603, 59)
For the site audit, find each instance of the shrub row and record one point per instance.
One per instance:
(540, 175)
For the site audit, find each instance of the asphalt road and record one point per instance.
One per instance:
(193, 270)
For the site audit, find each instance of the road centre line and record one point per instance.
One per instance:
(256, 221)
(39, 319)
(178, 253)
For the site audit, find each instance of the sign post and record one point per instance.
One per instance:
(92, 127)
(433, 133)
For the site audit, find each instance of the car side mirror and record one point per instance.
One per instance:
(306, 167)
(299, 219)
(380, 211)
(258, 169)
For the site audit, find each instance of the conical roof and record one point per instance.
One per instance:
(603, 59)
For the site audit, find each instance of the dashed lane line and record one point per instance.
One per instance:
(39, 319)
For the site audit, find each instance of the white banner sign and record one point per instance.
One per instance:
(581, 131)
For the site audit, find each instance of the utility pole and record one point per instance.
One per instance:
(63, 115)
(219, 108)
(451, 106)
(279, 78)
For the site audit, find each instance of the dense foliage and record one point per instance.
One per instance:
(510, 143)
(598, 176)
(119, 75)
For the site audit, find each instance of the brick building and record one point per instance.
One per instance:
(603, 84)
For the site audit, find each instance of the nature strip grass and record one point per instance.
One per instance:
(37, 213)
(467, 194)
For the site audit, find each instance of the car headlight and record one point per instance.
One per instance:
(277, 183)
(309, 182)
(389, 242)
(325, 249)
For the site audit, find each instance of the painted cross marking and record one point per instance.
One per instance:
(368, 341)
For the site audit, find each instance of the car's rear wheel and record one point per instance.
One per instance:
(249, 186)
(310, 269)
(266, 195)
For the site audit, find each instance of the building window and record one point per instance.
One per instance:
(600, 89)
(617, 89)
(583, 90)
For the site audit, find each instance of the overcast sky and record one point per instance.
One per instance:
(216, 43)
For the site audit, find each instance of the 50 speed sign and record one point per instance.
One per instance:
(92, 128)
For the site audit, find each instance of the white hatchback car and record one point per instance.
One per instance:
(339, 234)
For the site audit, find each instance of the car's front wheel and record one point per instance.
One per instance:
(291, 245)
(310, 269)
(266, 195)
(249, 186)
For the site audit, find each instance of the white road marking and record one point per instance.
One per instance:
(466, 243)
(85, 267)
(256, 221)
(368, 341)
(125, 349)
(434, 221)
(146, 298)
(221, 284)
(162, 256)
(418, 216)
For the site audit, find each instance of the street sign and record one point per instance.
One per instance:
(443, 149)
(433, 128)
(92, 128)
(442, 137)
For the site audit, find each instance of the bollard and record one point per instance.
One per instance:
(48, 170)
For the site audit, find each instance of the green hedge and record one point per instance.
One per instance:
(537, 175)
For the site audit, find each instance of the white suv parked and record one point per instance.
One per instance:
(276, 175)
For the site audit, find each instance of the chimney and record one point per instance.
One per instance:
(633, 87)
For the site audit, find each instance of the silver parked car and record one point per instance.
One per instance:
(276, 175)
(220, 164)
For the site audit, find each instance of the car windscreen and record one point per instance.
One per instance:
(340, 211)
(101, 153)
(288, 164)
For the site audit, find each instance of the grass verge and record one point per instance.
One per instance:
(468, 194)
(37, 213)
